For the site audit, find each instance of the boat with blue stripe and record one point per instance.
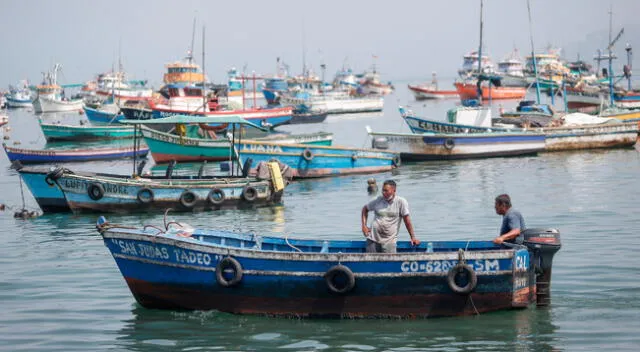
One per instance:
(309, 161)
(102, 117)
(42, 156)
(63, 132)
(179, 267)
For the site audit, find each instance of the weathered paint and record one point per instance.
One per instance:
(286, 276)
(32, 156)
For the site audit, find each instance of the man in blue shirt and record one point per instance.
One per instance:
(512, 220)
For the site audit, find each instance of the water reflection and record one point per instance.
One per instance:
(152, 330)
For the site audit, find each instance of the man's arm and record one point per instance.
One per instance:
(507, 236)
(365, 214)
(409, 226)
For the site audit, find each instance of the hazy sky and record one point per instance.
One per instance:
(410, 38)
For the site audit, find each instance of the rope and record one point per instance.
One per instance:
(22, 193)
(286, 239)
(474, 305)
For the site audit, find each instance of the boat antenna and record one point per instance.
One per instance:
(193, 37)
(533, 55)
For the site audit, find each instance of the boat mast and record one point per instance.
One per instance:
(204, 80)
(533, 55)
(479, 92)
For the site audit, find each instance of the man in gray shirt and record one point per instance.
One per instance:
(512, 220)
(389, 210)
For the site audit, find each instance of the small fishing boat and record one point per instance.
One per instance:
(452, 146)
(106, 114)
(571, 132)
(431, 91)
(208, 145)
(36, 156)
(63, 132)
(4, 118)
(300, 117)
(63, 190)
(179, 267)
(20, 96)
(308, 161)
(423, 91)
(50, 96)
(467, 91)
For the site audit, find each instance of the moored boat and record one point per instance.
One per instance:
(50, 96)
(63, 132)
(38, 156)
(61, 190)
(309, 161)
(467, 91)
(178, 267)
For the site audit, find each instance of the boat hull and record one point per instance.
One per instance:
(18, 103)
(426, 92)
(56, 132)
(43, 105)
(307, 161)
(264, 117)
(467, 91)
(419, 147)
(101, 117)
(168, 272)
(166, 147)
(590, 137)
(47, 193)
(31, 156)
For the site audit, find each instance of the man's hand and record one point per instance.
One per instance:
(366, 231)
(415, 241)
(498, 240)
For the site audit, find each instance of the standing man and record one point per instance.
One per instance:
(512, 220)
(389, 210)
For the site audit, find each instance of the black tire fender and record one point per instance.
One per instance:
(145, 195)
(95, 190)
(188, 199)
(449, 143)
(54, 175)
(216, 196)
(472, 279)
(340, 287)
(228, 265)
(249, 193)
(307, 154)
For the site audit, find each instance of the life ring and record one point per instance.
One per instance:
(188, 199)
(472, 279)
(216, 196)
(346, 280)
(307, 154)
(396, 161)
(449, 144)
(228, 265)
(145, 195)
(249, 193)
(95, 191)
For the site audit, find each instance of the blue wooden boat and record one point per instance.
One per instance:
(307, 161)
(36, 156)
(102, 117)
(63, 132)
(178, 267)
(61, 190)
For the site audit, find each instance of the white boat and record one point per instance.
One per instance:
(337, 102)
(470, 65)
(20, 96)
(511, 70)
(50, 96)
(116, 85)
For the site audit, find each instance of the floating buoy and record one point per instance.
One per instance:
(372, 187)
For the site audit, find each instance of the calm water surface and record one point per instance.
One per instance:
(60, 289)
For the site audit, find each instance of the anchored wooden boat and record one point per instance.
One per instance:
(166, 147)
(442, 146)
(607, 134)
(62, 132)
(62, 190)
(178, 267)
(35, 156)
(307, 161)
(468, 91)
(424, 91)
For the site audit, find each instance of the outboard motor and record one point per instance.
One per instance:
(543, 244)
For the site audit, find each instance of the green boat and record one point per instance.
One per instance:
(62, 132)
(210, 146)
